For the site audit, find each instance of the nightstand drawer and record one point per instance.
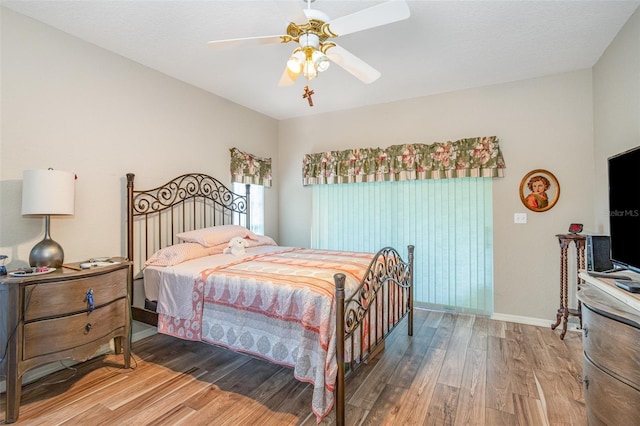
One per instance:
(60, 298)
(613, 345)
(59, 334)
(610, 401)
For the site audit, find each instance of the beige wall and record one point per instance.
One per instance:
(616, 96)
(70, 105)
(542, 123)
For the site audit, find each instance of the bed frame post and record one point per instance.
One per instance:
(410, 261)
(340, 383)
(247, 216)
(130, 177)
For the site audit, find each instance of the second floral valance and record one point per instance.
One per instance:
(247, 168)
(472, 157)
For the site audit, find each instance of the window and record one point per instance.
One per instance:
(256, 208)
(449, 221)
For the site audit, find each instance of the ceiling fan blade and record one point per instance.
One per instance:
(382, 14)
(288, 78)
(246, 41)
(354, 65)
(293, 11)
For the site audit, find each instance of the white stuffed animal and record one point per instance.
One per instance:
(236, 246)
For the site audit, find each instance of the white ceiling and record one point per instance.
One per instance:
(443, 46)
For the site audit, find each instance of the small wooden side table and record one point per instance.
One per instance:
(564, 310)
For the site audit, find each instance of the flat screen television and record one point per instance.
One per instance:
(624, 209)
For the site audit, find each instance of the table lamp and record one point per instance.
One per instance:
(47, 192)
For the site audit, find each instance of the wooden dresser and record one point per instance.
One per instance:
(611, 342)
(51, 317)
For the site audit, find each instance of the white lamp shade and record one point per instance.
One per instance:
(48, 192)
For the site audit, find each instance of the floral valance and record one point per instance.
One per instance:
(247, 168)
(472, 157)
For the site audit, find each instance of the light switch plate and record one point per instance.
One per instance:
(519, 218)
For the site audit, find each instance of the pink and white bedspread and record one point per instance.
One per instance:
(278, 304)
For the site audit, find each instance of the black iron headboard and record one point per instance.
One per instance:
(187, 202)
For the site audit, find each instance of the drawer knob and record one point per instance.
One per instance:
(585, 329)
(586, 383)
(87, 328)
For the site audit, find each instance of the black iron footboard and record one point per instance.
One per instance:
(383, 299)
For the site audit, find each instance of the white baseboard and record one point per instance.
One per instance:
(573, 324)
(141, 331)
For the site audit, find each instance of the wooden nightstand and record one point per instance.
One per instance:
(50, 318)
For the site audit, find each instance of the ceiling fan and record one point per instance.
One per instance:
(314, 31)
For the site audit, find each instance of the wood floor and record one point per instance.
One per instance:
(457, 369)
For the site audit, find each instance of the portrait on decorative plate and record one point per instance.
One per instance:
(539, 190)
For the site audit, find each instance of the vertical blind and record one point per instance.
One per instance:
(448, 220)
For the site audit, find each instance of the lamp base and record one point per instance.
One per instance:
(47, 253)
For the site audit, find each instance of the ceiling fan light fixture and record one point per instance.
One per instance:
(295, 62)
(293, 65)
(320, 60)
(309, 70)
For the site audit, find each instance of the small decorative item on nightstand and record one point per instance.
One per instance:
(575, 228)
(3, 269)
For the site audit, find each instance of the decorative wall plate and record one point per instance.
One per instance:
(539, 190)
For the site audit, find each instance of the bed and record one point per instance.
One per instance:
(321, 312)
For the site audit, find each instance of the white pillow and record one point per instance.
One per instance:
(215, 235)
(260, 240)
(179, 253)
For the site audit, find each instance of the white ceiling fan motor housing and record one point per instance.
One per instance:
(309, 40)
